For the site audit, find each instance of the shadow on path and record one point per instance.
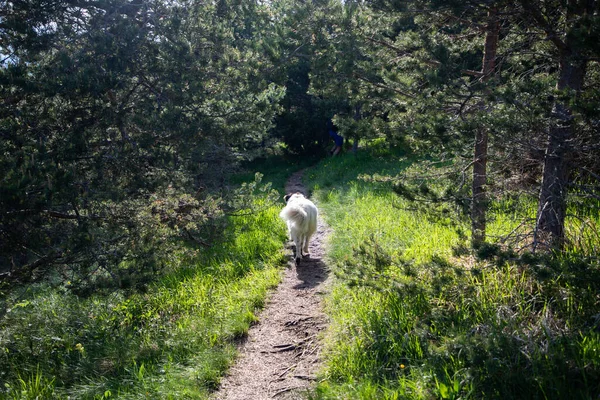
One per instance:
(312, 272)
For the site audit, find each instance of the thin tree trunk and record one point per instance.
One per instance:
(357, 117)
(479, 203)
(552, 206)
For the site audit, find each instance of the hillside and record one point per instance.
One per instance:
(451, 147)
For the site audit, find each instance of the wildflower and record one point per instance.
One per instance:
(402, 366)
(79, 347)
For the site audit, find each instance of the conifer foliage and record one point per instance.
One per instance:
(110, 112)
(504, 88)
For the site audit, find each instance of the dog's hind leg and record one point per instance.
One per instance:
(297, 248)
(312, 228)
(305, 241)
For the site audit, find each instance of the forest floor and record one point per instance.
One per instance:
(281, 355)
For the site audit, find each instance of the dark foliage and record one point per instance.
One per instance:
(120, 119)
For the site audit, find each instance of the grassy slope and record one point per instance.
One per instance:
(411, 320)
(174, 341)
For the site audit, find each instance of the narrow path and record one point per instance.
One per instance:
(281, 355)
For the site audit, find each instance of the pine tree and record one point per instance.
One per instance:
(113, 110)
(566, 26)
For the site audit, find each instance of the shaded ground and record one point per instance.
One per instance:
(281, 355)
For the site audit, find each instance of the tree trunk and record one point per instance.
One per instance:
(357, 117)
(479, 203)
(552, 206)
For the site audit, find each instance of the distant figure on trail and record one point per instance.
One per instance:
(337, 139)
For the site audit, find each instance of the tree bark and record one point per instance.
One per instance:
(552, 201)
(479, 202)
(552, 205)
(357, 117)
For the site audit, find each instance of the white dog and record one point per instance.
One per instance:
(301, 216)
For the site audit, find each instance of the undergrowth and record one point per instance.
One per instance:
(417, 315)
(277, 168)
(174, 339)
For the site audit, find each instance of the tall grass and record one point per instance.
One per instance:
(414, 317)
(173, 341)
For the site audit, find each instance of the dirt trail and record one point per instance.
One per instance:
(281, 355)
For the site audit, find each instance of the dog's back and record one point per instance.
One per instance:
(301, 217)
(300, 212)
(294, 213)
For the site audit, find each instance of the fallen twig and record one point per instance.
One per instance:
(286, 390)
(287, 370)
(304, 377)
(296, 321)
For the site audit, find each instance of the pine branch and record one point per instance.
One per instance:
(404, 53)
(539, 18)
(382, 86)
(25, 272)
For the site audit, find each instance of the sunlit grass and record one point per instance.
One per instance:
(414, 313)
(416, 316)
(173, 341)
(381, 215)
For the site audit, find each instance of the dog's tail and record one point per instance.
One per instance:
(294, 214)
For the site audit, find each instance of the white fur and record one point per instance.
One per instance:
(300, 214)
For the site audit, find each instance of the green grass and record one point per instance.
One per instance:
(277, 169)
(175, 340)
(414, 316)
